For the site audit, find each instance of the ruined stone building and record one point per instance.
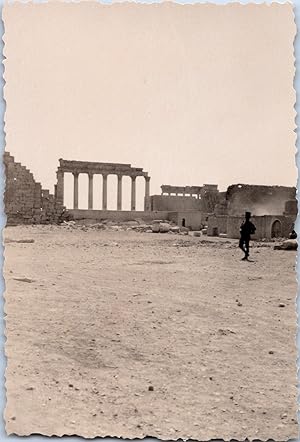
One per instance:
(274, 208)
(260, 200)
(187, 206)
(26, 202)
(203, 198)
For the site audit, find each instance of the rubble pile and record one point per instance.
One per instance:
(157, 226)
(288, 244)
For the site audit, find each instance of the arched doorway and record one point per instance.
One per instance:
(276, 230)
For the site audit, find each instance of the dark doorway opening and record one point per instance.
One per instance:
(276, 231)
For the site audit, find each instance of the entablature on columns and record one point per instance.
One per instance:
(90, 167)
(190, 190)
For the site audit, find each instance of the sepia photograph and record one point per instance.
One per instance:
(150, 200)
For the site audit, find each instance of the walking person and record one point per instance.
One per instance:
(246, 230)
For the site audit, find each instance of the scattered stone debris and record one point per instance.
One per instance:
(288, 244)
(156, 226)
(225, 332)
(261, 244)
(19, 241)
(24, 280)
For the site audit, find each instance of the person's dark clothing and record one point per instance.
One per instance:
(247, 229)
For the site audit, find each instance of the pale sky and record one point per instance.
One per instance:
(193, 94)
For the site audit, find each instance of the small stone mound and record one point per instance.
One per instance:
(155, 227)
(164, 227)
(288, 244)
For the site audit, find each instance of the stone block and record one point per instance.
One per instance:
(164, 227)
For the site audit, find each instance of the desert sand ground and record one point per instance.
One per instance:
(134, 334)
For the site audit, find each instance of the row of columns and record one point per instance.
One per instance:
(60, 190)
(182, 194)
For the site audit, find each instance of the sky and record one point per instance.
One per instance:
(194, 94)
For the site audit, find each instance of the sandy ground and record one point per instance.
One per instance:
(134, 334)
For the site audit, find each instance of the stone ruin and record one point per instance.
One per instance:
(273, 208)
(181, 198)
(192, 191)
(259, 200)
(26, 202)
(104, 169)
(191, 207)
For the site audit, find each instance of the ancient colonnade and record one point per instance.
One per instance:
(191, 191)
(104, 169)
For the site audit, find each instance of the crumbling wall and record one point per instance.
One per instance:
(25, 200)
(291, 207)
(176, 203)
(259, 200)
(210, 198)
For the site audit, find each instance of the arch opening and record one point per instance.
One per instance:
(276, 229)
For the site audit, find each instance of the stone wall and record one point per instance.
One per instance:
(25, 200)
(259, 200)
(194, 220)
(178, 198)
(174, 203)
(291, 207)
(116, 215)
(263, 226)
(217, 224)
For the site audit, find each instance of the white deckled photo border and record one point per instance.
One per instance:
(38, 438)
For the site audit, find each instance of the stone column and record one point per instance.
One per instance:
(90, 200)
(119, 196)
(104, 192)
(75, 203)
(60, 186)
(147, 194)
(133, 192)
